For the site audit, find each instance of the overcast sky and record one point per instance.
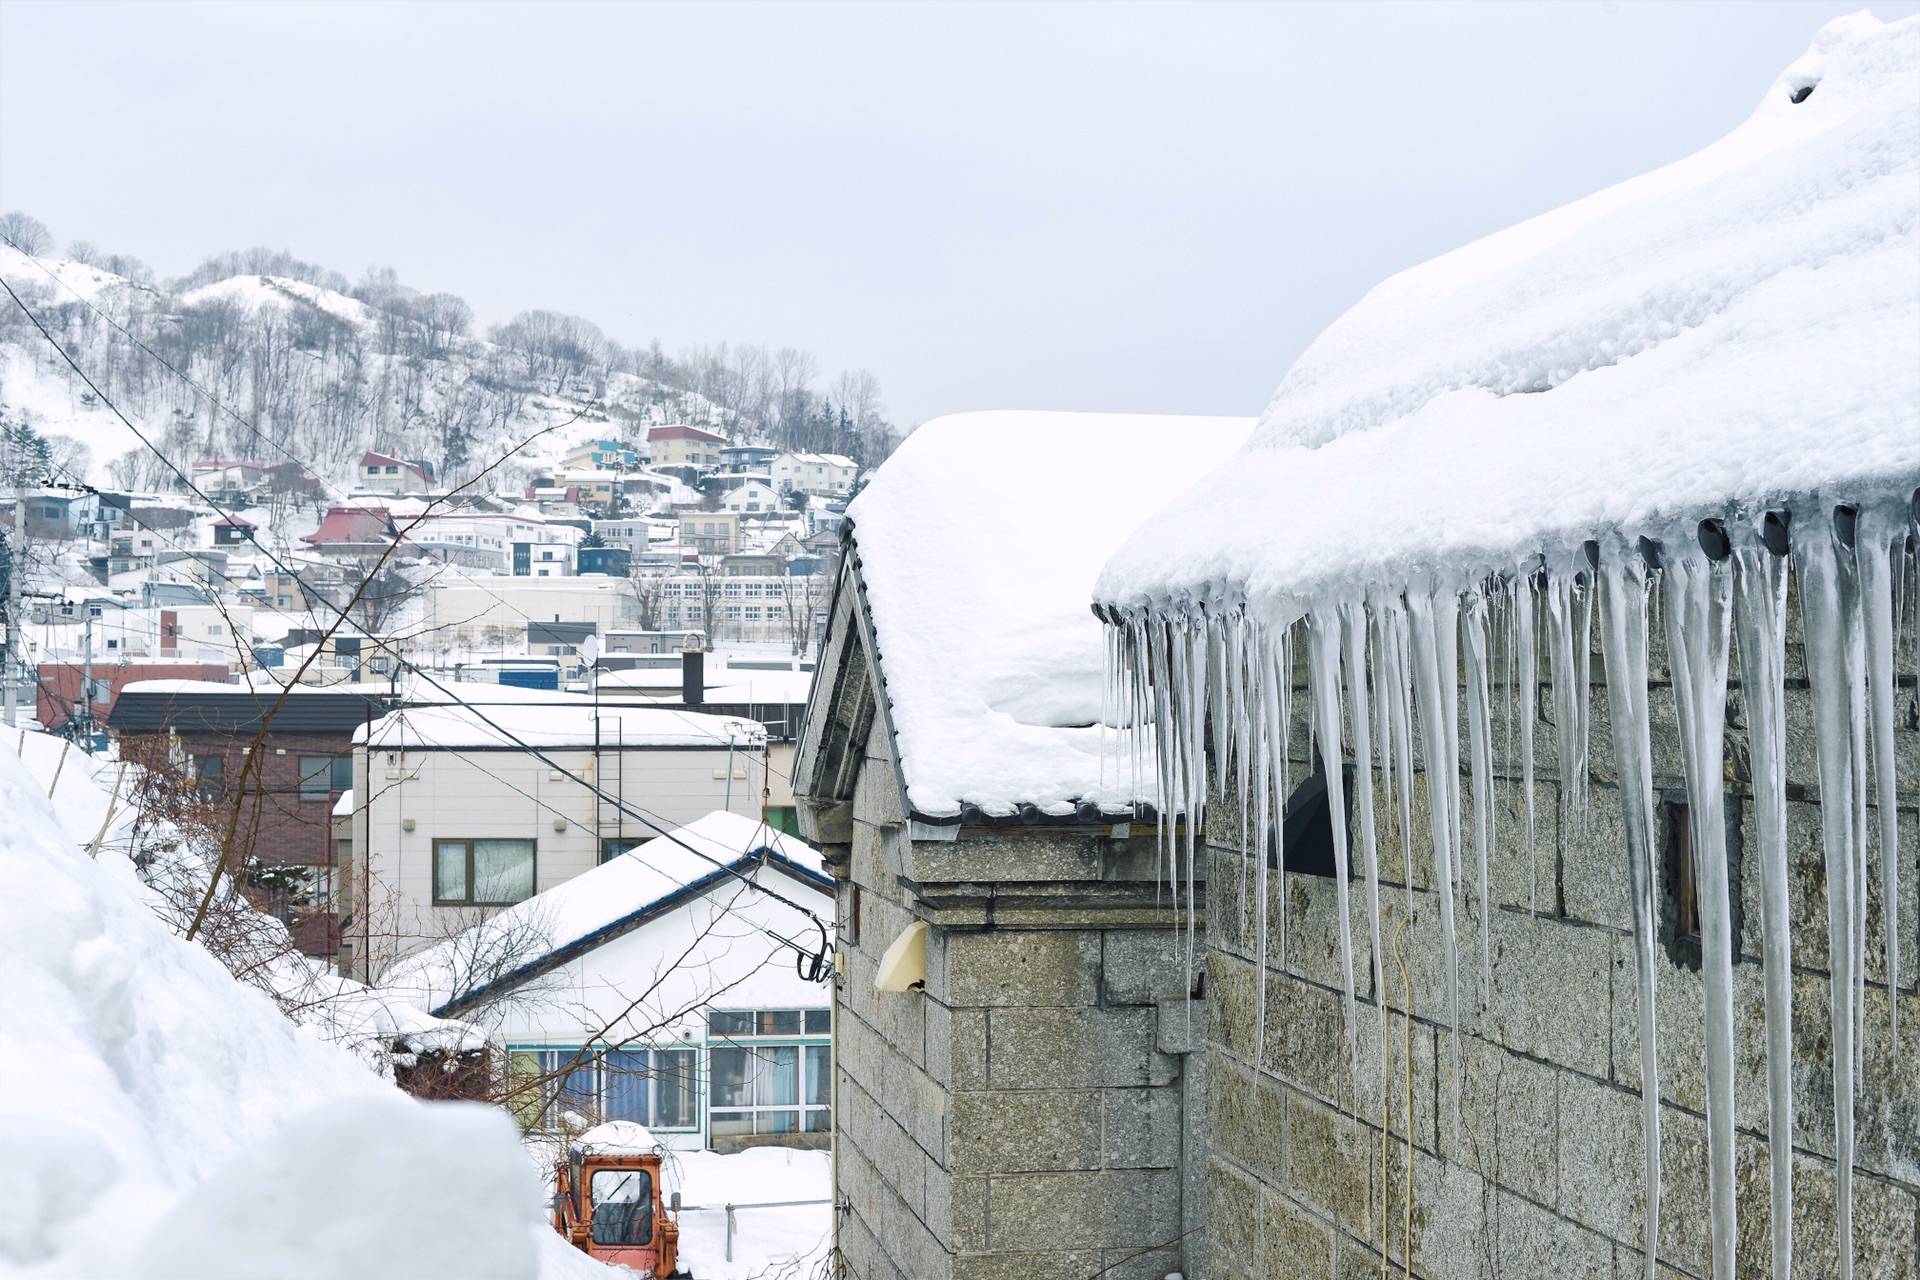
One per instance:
(990, 206)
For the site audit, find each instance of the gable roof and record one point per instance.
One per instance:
(352, 525)
(607, 902)
(967, 590)
(684, 433)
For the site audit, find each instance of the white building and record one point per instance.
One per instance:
(752, 493)
(456, 818)
(661, 987)
(464, 610)
(767, 609)
(826, 475)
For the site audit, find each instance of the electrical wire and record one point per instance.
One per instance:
(618, 803)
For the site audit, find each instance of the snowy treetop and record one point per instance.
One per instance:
(979, 542)
(1737, 327)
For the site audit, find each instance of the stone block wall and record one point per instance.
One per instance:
(1538, 1171)
(1022, 1117)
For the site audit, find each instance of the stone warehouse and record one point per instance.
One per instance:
(1473, 831)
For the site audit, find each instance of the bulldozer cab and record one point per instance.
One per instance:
(607, 1203)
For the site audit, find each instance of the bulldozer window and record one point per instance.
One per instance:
(622, 1207)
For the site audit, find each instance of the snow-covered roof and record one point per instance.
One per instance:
(721, 685)
(1735, 328)
(549, 726)
(591, 904)
(979, 575)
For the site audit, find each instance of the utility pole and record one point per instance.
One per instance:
(16, 566)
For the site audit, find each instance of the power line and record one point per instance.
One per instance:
(345, 618)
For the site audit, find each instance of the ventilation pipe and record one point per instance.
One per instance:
(693, 676)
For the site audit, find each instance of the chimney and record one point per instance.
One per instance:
(693, 677)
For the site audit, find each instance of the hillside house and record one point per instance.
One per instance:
(454, 817)
(950, 770)
(353, 531)
(585, 987)
(382, 473)
(601, 455)
(710, 532)
(824, 475)
(228, 479)
(305, 765)
(747, 459)
(684, 446)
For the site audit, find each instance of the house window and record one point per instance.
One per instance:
(774, 613)
(210, 776)
(753, 613)
(768, 1088)
(323, 777)
(482, 872)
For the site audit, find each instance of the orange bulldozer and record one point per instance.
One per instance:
(608, 1204)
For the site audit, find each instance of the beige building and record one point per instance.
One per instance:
(683, 446)
(465, 610)
(711, 532)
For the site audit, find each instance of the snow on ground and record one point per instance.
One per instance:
(1738, 326)
(980, 541)
(159, 1119)
(767, 1242)
(45, 399)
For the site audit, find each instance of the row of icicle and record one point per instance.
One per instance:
(1386, 665)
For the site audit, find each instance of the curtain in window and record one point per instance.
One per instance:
(450, 870)
(502, 870)
(627, 1086)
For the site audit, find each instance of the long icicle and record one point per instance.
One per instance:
(1824, 606)
(1526, 605)
(1698, 596)
(1873, 552)
(1480, 751)
(1323, 670)
(1399, 693)
(1355, 633)
(1436, 696)
(1624, 616)
(1760, 619)
(1274, 708)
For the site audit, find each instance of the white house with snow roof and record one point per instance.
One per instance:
(462, 809)
(669, 986)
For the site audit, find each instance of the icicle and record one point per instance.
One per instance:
(1527, 659)
(1825, 606)
(1355, 631)
(1323, 674)
(1436, 698)
(1382, 734)
(1568, 694)
(1625, 619)
(1274, 709)
(1760, 619)
(1698, 597)
(1284, 688)
(1876, 535)
(1399, 693)
(1480, 749)
(1446, 631)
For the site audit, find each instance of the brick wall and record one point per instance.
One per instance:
(1544, 1176)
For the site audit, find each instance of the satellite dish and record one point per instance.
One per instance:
(590, 651)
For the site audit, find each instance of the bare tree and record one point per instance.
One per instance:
(26, 233)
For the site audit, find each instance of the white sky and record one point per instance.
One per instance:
(1043, 206)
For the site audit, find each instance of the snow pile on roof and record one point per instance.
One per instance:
(532, 930)
(979, 542)
(547, 726)
(145, 1096)
(1739, 326)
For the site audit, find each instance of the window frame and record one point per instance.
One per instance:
(468, 842)
(813, 1033)
(331, 772)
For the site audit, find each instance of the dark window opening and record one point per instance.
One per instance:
(1680, 921)
(1306, 829)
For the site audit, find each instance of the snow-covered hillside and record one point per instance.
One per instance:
(303, 373)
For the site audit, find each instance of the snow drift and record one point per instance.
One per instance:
(145, 1097)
